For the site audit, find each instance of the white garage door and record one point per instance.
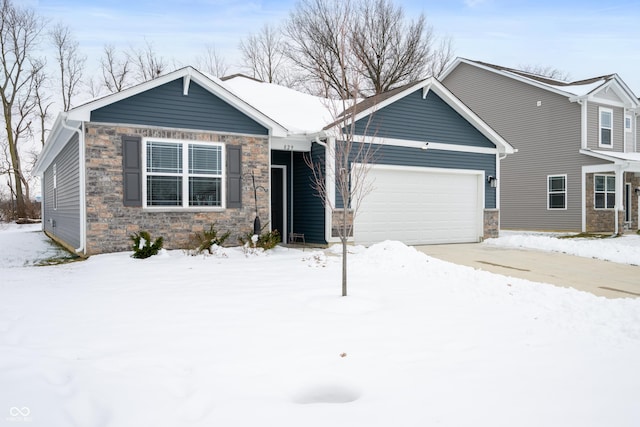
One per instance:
(421, 206)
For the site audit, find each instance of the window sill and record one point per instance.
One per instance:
(180, 209)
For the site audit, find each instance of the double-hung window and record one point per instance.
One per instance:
(557, 192)
(606, 127)
(184, 174)
(605, 191)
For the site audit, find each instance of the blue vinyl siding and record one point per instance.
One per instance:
(417, 119)
(166, 106)
(283, 158)
(308, 213)
(64, 222)
(409, 156)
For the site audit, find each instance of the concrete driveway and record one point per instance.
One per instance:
(601, 278)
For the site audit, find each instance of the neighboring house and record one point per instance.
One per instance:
(578, 162)
(177, 153)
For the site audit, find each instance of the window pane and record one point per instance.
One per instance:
(556, 183)
(611, 183)
(599, 202)
(164, 157)
(605, 119)
(605, 136)
(556, 201)
(204, 191)
(205, 159)
(599, 182)
(164, 191)
(611, 200)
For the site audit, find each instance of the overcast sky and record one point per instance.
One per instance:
(584, 38)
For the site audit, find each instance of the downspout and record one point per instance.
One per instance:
(82, 185)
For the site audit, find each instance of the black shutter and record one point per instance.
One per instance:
(132, 171)
(234, 176)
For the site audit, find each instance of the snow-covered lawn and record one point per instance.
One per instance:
(176, 340)
(623, 250)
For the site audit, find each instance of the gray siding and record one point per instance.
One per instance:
(64, 222)
(309, 212)
(593, 127)
(548, 140)
(166, 106)
(417, 119)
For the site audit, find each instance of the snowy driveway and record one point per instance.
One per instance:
(602, 278)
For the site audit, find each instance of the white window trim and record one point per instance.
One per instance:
(600, 127)
(185, 174)
(566, 193)
(605, 192)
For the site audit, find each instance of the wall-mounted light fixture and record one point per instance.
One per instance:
(425, 146)
(493, 181)
(637, 190)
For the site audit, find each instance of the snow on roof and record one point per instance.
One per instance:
(298, 112)
(578, 87)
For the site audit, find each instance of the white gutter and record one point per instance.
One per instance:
(82, 184)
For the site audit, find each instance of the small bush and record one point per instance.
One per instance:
(142, 247)
(266, 240)
(206, 239)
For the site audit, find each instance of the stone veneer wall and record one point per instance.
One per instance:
(603, 220)
(491, 223)
(109, 223)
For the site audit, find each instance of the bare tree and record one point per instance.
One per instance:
(116, 69)
(70, 63)
(94, 87)
(392, 51)
(546, 71)
(263, 56)
(20, 31)
(42, 103)
(212, 62)
(338, 183)
(387, 50)
(146, 63)
(441, 57)
(318, 44)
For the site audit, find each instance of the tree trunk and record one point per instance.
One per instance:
(15, 163)
(343, 238)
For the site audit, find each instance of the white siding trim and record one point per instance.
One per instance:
(419, 144)
(566, 191)
(600, 127)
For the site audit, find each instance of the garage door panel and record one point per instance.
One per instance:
(420, 206)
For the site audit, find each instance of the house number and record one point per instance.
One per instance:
(288, 147)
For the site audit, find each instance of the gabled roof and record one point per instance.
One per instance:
(377, 102)
(66, 122)
(188, 74)
(574, 90)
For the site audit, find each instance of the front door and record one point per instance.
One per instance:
(278, 200)
(627, 202)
